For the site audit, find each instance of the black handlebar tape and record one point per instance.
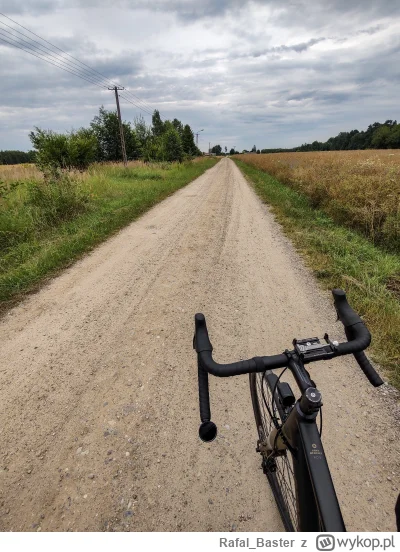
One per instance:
(368, 369)
(358, 338)
(241, 367)
(345, 313)
(204, 395)
(201, 339)
(204, 349)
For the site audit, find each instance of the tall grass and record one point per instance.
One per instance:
(360, 189)
(47, 222)
(23, 171)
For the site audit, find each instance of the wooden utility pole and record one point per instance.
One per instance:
(121, 129)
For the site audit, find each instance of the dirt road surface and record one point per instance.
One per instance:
(98, 407)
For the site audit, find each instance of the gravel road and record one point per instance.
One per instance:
(99, 409)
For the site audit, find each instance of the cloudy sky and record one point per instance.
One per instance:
(264, 72)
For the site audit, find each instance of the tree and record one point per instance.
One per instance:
(173, 150)
(394, 139)
(143, 134)
(157, 124)
(15, 157)
(105, 126)
(178, 126)
(381, 137)
(254, 149)
(357, 141)
(232, 151)
(226, 149)
(189, 147)
(216, 149)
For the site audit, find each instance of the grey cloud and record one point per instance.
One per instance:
(301, 47)
(256, 90)
(37, 7)
(371, 30)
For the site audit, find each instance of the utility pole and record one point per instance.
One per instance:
(197, 136)
(121, 130)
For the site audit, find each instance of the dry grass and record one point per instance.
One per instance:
(360, 189)
(28, 171)
(24, 171)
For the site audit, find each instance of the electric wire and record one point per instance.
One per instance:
(18, 45)
(129, 101)
(72, 65)
(28, 45)
(143, 102)
(48, 61)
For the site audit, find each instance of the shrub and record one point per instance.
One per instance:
(56, 199)
(75, 150)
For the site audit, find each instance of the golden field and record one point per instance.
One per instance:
(360, 189)
(24, 171)
(29, 171)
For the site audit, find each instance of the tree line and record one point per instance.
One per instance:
(15, 157)
(160, 141)
(377, 136)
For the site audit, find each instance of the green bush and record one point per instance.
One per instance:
(30, 208)
(75, 150)
(57, 199)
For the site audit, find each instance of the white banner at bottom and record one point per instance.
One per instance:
(200, 542)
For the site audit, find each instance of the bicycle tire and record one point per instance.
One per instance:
(278, 468)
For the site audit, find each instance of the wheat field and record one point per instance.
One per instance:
(360, 189)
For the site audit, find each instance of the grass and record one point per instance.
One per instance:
(341, 258)
(23, 171)
(47, 223)
(359, 189)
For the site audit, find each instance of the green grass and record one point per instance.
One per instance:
(342, 258)
(45, 228)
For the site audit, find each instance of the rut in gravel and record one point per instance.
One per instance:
(99, 408)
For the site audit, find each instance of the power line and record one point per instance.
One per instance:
(42, 47)
(48, 61)
(63, 63)
(145, 104)
(54, 46)
(129, 101)
(71, 72)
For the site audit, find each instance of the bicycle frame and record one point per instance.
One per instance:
(318, 504)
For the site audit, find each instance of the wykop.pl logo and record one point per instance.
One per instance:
(325, 543)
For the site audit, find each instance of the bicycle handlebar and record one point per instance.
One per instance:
(357, 335)
(204, 349)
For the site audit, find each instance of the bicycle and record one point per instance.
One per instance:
(289, 439)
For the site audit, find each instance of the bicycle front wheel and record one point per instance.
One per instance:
(277, 465)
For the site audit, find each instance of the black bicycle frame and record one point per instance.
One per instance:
(318, 504)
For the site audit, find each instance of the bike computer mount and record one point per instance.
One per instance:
(312, 349)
